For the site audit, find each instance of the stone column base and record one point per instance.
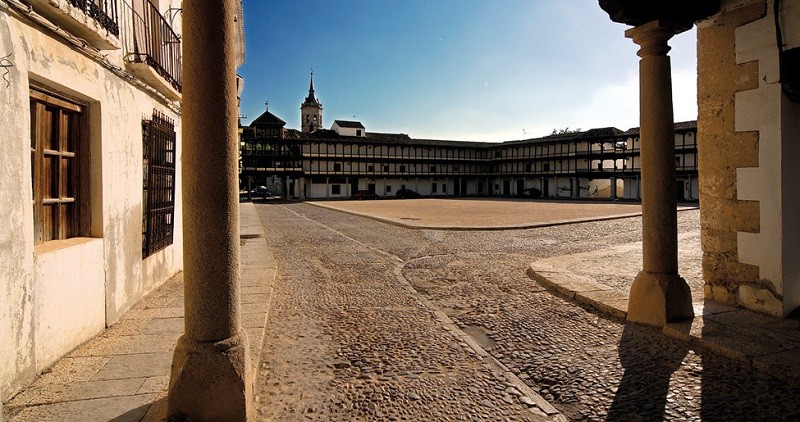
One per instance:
(210, 381)
(658, 299)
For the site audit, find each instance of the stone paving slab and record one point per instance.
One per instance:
(485, 213)
(767, 343)
(123, 373)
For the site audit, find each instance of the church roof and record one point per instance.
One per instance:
(267, 119)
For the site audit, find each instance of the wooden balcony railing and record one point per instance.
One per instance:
(153, 41)
(103, 11)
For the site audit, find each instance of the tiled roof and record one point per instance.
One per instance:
(688, 125)
(404, 139)
(348, 124)
(379, 138)
(679, 126)
(606, 132)
(267, 119)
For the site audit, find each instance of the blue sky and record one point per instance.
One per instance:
(452, 69)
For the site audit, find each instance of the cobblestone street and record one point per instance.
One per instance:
(374, 321)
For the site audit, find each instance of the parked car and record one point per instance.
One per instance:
(365, 194)
(407, 193)
(262, 191)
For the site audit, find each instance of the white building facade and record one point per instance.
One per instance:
(90, 97)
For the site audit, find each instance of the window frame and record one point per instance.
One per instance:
(67, 166)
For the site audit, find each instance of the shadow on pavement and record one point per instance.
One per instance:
(648, 367)
(733, 390)
(144, 413)
(728, 389)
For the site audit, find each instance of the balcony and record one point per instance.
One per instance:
(104, 12)
(152, 48)
(95, 21)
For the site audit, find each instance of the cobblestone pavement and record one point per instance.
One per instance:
(346, 340)
(354, 331)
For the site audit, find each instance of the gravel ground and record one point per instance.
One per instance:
(349, 339)
(492, 212)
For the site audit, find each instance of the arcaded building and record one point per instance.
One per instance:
(334, 163)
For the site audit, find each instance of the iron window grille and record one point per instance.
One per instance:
(158, 196)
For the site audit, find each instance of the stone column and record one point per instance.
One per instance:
(302, 188)
(639, 187)
(327, 187)
(576, 188)
(249, 188)
(658, 294)
(210, 377)
(613, 181)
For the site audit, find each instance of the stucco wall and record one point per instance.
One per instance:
(601, 188)
(69, 296)
(16, 267)
(767, 110)
(347, 131)
(632, 188)
(112, 275)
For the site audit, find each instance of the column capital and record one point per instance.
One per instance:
(652, 37)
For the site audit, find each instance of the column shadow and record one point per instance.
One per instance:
(735, 390)
(149, 412)
(648, 364)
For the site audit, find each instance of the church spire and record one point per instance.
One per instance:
(311, 110)
(311, 99)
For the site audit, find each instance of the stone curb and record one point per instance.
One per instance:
(572, 286)
(483, 228)
(257, 278)
(765, 343)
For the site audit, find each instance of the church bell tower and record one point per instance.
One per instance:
(311, 111)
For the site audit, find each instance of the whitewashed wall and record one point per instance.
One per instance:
(58, 294)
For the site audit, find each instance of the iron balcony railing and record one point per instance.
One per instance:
(103, 11)
(152, 40)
